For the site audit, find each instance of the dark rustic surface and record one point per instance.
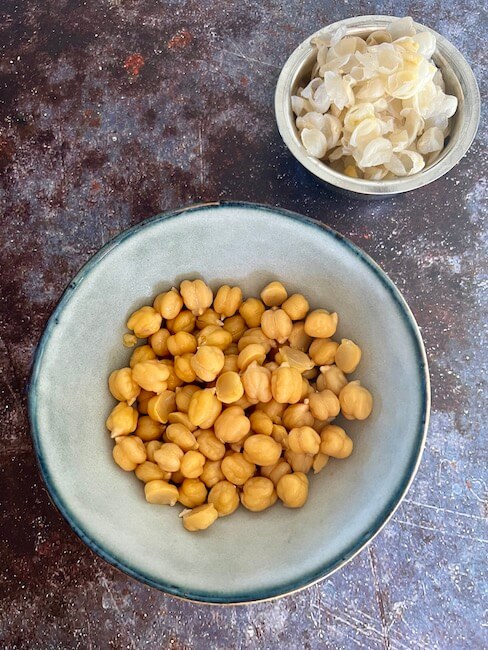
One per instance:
(114, 110)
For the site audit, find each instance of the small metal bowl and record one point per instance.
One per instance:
(459, 80)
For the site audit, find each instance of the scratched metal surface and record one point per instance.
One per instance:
(114, 110)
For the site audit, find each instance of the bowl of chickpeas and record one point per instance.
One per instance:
(229, 402)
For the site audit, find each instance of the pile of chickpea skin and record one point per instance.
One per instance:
(231, 401)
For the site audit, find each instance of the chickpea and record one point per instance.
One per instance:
(210, 446)
(262, 450)
(159, 342)
(323, 351)
(261, 423)
(258, 494)
(123, 387)
(335, 442)
(196, 295)
(304, 440)
(148, 429)
(296, 306)
(286, 385)
(212, 473)
(168, 304)
(129, 340)
(181, 436)
(160, 406)
(214, 335)
(324, 405)
(184, 395)
(276, 471)
(129, 452)
(144, 322)
(280, 435)
(271, 365)
(207, 362)
(161, 492)
(307, 388)
(254, 335)
(272, 408)
(292, 489)
(173, 380)
(295, 359)
(298, 338)
(183, 369)
(232, 425)
(320, 460)
(181, 343)
(142, 353)
(151, 447)
(244, 402)
(321, 324)
(209, 317)
(331, 377)
(192, 464)
(251, 311)
(204, 408)
(252, 352)
(229, 387)
(356, 401)
(151, 375)
(236, 326)
(184, 322)
(200, 517)
(227, 300)
(274, 294)
(276, 324)
(297, 415)
(168, 457)
(347, 356)
(143, 400)
(181, 418)
(257, 383)
(225, 498)
(230, 363)
(232, 350)
(237, 469)
(299, 462)
(122, 420)
(177, 477)
(148, 471)
(192, 492)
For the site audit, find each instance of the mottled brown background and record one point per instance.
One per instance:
(114, 110)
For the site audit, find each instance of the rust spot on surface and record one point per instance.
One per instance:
(133, 63)
(179, 40)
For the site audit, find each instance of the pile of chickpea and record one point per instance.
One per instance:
(231, 401)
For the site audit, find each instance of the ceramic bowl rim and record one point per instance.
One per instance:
(279, 589)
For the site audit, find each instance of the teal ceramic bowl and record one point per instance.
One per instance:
(248, 556)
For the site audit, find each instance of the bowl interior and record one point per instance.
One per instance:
(246, 556)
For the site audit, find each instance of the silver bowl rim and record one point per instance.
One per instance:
(356, 24)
